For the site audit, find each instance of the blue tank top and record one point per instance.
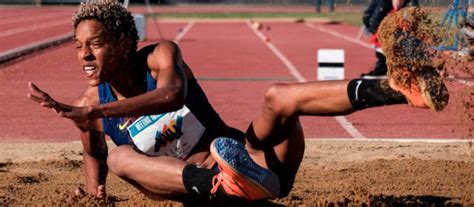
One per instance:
(196, 101)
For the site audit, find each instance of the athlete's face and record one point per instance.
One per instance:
(97, 54)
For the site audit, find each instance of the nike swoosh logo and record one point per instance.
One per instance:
(357, 90)
(196, 189)
(122, 126)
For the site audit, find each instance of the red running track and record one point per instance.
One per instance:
(22, 26)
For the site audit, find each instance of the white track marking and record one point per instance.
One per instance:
(349, 127)
(294, 71)
(339, 35)
(282, 57)
(183, 32)
(403, 140)
(353, 40)
(33, 27)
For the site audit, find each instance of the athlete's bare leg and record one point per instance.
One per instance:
(275, 139)
(278, 134)
(157, 177)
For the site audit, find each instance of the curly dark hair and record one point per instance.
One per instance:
(117, 21)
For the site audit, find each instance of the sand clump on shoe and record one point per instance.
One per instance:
(407, 37)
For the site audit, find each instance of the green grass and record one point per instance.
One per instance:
(353, 18)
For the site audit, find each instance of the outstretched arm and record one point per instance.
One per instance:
(80, 115)
(41, 97)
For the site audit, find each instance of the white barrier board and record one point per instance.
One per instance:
(330, 64)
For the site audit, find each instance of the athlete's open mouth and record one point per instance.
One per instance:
(89, 69)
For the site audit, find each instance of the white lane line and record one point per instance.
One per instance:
(339, 35)
(183, 32)
(33, 27)
(277, 52)
(294, 71)
(349, 127)
(401, 140)
(353, 40)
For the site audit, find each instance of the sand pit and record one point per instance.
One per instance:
(333, 172)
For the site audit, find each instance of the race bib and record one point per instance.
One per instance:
(171, 134)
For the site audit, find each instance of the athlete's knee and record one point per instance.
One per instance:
(278, 100)
(116, 160)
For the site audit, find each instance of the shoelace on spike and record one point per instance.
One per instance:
(216, 182)
(219, 180)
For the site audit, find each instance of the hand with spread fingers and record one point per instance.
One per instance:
(81, 116)
(41, 97)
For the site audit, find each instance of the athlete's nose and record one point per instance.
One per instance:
(86, 54)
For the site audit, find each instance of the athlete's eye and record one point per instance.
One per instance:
(78, 46)
(96, 44)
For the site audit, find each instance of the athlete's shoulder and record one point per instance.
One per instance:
(163, 55)
(146, 50)
(89, 97)
(165, 47)
(155, 49)
(167, 44)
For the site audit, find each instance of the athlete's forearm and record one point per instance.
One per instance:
(94, 155)
(95, 172)
(159, 101)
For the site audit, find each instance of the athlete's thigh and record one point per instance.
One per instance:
(320, 98)
(160, 174)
